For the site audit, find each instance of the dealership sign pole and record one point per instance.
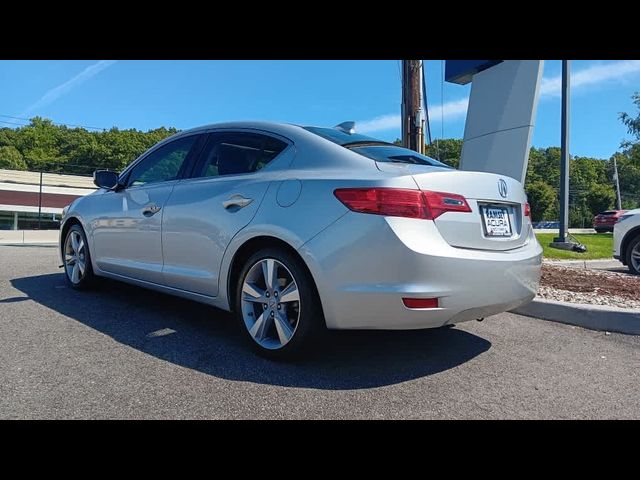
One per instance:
(564, 153)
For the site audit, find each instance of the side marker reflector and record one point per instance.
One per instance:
(420, 302)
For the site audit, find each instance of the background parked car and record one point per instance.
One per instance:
(604, 221)
(626, 240)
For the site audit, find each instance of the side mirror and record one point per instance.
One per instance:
(105, 179)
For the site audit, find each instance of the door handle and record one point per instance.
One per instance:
(237, 201)
(150, 210)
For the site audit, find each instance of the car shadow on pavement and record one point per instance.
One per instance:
(207, 339)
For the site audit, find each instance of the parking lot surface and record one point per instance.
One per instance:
(123, 352)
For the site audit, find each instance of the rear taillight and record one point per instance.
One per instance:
(396, 202)
(439, 203)
(527, 210)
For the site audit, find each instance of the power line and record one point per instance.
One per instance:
(14, 123)
(56, 123)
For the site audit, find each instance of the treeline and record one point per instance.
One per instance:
(42, 145)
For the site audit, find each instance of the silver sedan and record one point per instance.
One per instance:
(297, 229)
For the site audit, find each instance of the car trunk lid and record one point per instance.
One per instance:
(496, 220)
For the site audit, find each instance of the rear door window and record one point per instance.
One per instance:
(234, 153)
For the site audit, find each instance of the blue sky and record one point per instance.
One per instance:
(149, 94)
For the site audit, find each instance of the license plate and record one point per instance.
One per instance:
(496, 221)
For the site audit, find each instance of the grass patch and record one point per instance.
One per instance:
(599, 245)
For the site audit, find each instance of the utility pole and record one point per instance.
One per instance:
(40, 201)
(615, 177)
(412, 122)
(561, 241)
(564, 154)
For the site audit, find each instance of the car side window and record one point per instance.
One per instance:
(163, 164)
(237, 152)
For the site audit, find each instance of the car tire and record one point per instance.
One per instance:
(77, 259)
(600, 230)
(633, 249)
(287, 329)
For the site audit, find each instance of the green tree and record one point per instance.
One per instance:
(629, 175)
(7, 137)
(446, 150)
(42, 145)
(11, 159)
(600, 197)
(632, 123)
(628, 159)
(579, 214)
(542, 199)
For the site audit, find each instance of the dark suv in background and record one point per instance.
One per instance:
(604, 221)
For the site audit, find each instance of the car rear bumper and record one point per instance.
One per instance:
(364, 265)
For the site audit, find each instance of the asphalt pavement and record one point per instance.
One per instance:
(123, 352)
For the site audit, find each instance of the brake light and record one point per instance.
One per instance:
(527, 210)
(397, 202)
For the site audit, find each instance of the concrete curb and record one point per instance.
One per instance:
(36, 244)
(593, 317)
(39, 237)
(601, 263)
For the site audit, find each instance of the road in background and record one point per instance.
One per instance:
(124, 352)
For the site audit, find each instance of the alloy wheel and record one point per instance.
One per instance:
(75, 257)
(270, 303)
(635, 257)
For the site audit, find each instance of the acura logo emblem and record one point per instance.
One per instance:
(502, 188)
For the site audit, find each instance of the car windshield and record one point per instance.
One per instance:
(375, 149)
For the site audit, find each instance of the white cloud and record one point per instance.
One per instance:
(64, 88)
(450, 110)
(592, 75)
(453, 109)
(550, 86)
(383, 122)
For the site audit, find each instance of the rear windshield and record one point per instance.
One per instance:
(342, 138)
(395, 154)
(375, 149)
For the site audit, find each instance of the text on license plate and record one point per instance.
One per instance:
(496, 221)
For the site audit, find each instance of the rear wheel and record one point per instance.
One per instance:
(77, 259)
(277, 304)
(633, 256)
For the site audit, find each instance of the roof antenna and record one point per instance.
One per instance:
(347, 127)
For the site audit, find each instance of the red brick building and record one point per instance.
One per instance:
(20, 198)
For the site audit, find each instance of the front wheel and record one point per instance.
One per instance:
(278, 305)
(77, 259)
(633, 256)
